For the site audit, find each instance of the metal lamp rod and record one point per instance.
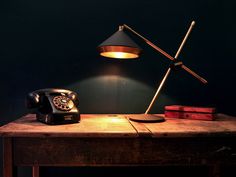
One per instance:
(166, 54)
(169, 69)
(158, 90)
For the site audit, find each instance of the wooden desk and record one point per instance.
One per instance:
(112, 140)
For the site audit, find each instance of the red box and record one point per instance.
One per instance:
(190, 112)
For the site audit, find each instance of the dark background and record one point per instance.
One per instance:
(52, 43)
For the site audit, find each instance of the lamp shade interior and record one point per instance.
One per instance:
(120, 46)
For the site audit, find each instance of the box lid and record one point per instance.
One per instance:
(182, 108)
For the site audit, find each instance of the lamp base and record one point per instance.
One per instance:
(146, 118)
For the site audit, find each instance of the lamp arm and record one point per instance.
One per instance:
(168, 55)
(150, 43)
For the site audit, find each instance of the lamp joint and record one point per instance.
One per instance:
(176, 64)
(121, 27)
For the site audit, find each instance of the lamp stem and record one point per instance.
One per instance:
(184, 40)
(158, 90)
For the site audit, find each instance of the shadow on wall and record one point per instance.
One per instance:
(116, 94)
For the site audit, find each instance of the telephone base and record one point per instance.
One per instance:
(58, 119)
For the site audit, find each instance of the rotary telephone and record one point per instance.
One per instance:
(54, 106)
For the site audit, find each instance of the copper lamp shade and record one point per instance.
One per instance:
(120, 46)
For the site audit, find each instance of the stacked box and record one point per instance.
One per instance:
(190, 112)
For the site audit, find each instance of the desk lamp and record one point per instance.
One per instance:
(121, 46)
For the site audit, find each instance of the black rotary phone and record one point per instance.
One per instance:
(54, 106)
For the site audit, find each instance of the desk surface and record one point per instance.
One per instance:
(111, 140)
(109, 125)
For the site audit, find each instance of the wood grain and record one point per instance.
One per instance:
(141, 129)
(76, 151)
(124, 151)
(35, 170)
(113, 140)
(101, 125)
(223, 126)
(7, 157)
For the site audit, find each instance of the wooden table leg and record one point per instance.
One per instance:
(7, 157)
(35, 170)
(214, 171)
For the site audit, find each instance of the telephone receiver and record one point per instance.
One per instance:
(54, 106)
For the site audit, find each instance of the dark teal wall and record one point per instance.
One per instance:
(53, 44)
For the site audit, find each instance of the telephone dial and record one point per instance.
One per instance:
(54, 106)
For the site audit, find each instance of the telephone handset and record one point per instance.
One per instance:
(54, 106)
